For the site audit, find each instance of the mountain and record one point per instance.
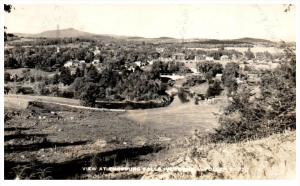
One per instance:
(69, 32)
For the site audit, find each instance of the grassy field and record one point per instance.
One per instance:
(42, 144)
(180, 119)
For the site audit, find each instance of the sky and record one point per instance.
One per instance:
(221, 21)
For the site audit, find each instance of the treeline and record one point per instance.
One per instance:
(49, 59)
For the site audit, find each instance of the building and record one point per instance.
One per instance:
(138, 63)
(179, 56)
(68, 64)
(96, 51)
(160, 50)
(199, 57)
(224, 58)
(95, 61)
(234, 57)
(74, 64)
(207, 58)
(219, 77)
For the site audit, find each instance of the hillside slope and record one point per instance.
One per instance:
(269, 158)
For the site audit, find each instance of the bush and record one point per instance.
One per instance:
(214, 90)
(6, 77)
(40, 88)
(210, 69)
(250, 117)
(230, 73)
(194, 80)
(183, 95)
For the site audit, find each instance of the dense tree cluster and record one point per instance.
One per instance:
(170, 67)
(111, 84)
(210, 69)
(230, 73)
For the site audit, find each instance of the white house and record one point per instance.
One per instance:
(207, 58)
(96, 51)
(138, 63)
(219, 77)
(68, 64)
(95, 62)
(224, 58)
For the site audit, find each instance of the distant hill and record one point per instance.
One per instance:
(69, 32)
(252, 40)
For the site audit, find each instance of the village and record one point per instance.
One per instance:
(175, 102)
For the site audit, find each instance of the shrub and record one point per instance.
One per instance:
(183, 95)
(6, 77)
(210, 69)
(214, 90)
(250, 117)
(40, 88)
(194, 80)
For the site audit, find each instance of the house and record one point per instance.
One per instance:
(150, 62)
(207, 58)
(95, 61)
(199, 57)
(159, 50)
(219, 77)
(239, 81)
(234, 57)
(224, 58)
(68, 64)
(138, 63)
(165, 59)
(96, 51)
(179, 56)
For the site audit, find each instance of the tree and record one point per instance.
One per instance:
(78, 73)
(78, 86)
(250, 117)
(249, 55)
(92, 74)
(210, 69)
(65, 76)
(89, 95)
(6, 77)
(7, 8)
(40, 88)
(214, 90)
(55, 79)
(230, 73)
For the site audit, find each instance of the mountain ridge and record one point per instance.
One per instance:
(71, 32)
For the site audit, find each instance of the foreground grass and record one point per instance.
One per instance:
(268, 158)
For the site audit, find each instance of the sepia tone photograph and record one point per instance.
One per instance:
(149, 91)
